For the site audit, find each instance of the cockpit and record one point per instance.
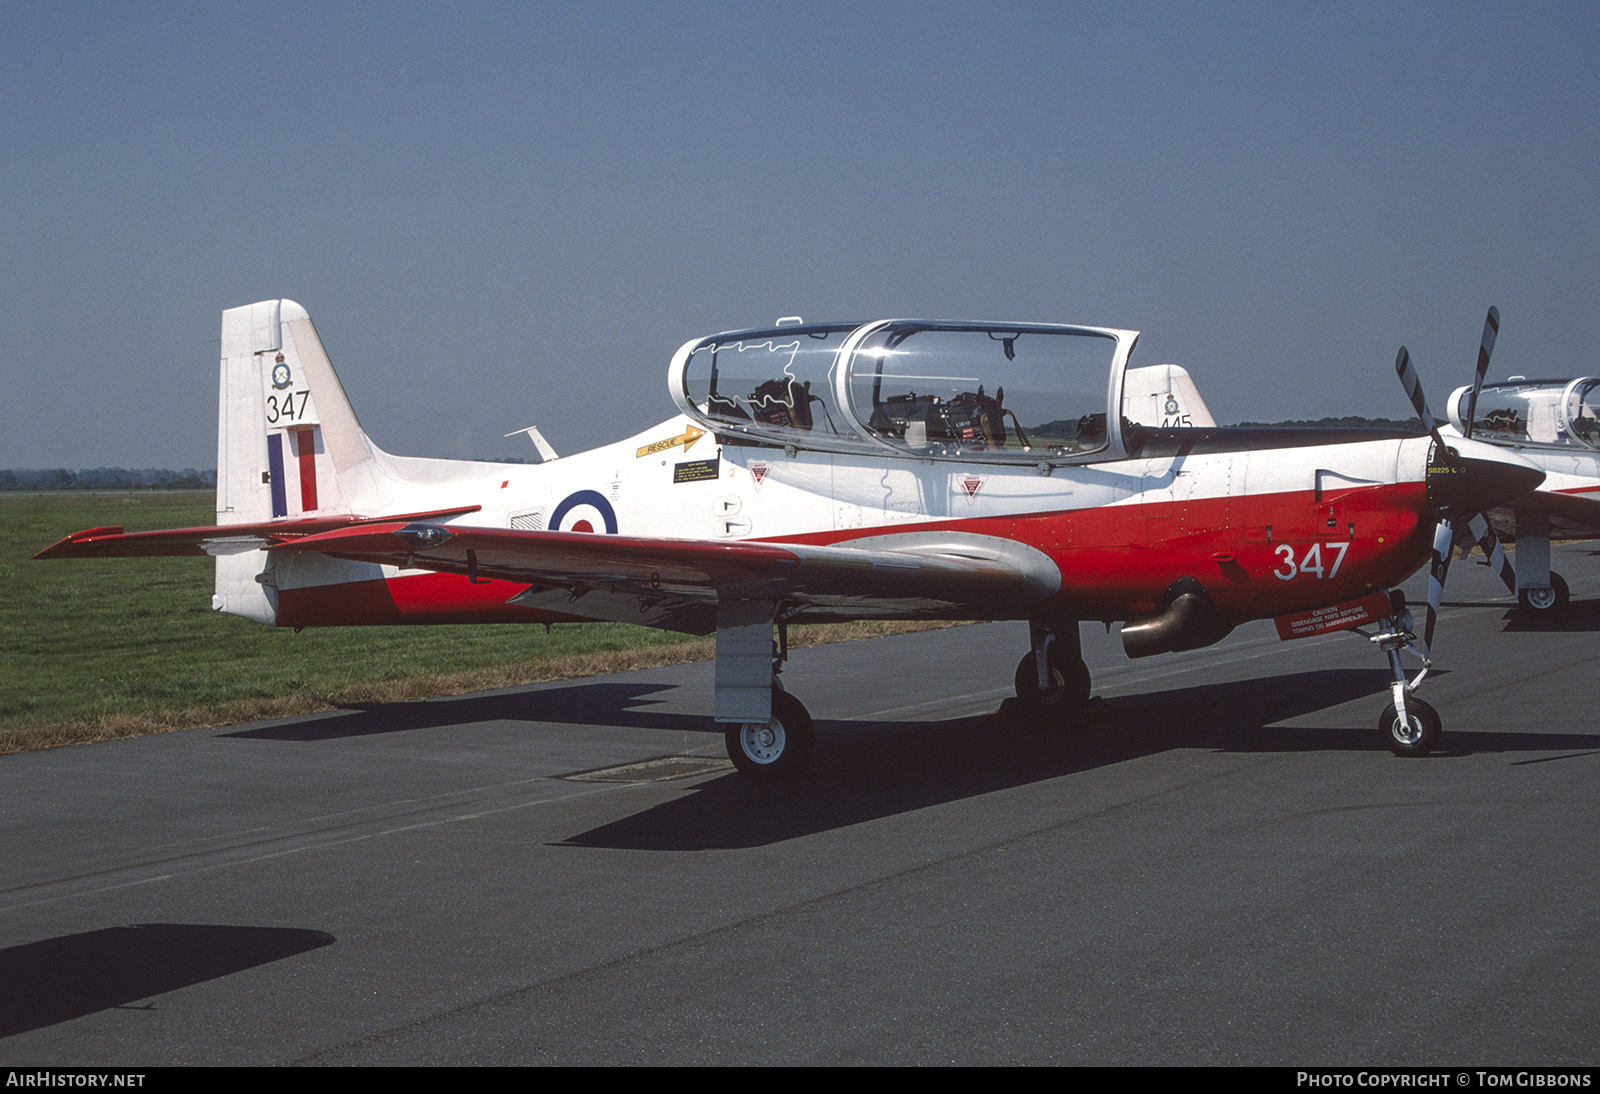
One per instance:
(1557, 413)
(1001, 392)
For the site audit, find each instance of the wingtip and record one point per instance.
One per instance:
(64, 548)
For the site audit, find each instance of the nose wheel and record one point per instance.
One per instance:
(1415, 735)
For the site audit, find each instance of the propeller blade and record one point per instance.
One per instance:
(1491, 330)
(1413, 385)
(1444, 536)
(1443, 544)
(1493, 552)
(1419, 402)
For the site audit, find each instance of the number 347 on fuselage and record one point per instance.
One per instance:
(897, 469)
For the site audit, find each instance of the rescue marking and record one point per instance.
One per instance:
(686, 438)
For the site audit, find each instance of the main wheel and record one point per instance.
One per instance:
(1069, 682)
(1546, 601)
(1418, 738)
(774, 751)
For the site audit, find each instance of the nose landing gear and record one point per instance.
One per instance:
(1410, 727)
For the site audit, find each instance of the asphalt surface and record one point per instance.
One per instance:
(1222, 865)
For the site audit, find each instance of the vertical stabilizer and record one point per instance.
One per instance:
(1164, 396)
(289, 448)
(288, 443)
(286, 432)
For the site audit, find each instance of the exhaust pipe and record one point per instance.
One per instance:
(1187, 621)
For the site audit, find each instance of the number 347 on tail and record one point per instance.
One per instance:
(897, 469)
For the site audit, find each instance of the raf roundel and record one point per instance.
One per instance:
(582, 511)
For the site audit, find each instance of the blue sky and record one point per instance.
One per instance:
(504, 215)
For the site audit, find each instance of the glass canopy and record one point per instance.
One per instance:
(1564, 413)
(1026, 392)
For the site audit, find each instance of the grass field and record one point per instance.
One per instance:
(91, 650)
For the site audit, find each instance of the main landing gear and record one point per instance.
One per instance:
(775, 750)
(769, 733)
(1546, 602)
(1052, 678)
(1410, 727)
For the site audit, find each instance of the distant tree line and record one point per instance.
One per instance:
(106, 478)
(1396, 425)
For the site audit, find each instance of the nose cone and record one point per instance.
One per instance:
(1476, 476)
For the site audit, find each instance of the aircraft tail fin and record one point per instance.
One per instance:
(290, 450)
(289, 446)
(287, 438)
(1164, 396)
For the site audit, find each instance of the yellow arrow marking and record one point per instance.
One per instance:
(686, 438)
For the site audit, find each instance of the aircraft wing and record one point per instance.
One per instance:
(218, 539)
(1574, 515)
(1577, 508)
(676, 583)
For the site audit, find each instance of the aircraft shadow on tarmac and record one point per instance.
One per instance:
(60, 979)
(608, 703)
(867, 771)
(1579, 615)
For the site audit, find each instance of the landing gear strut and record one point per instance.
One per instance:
(1410, 727)
(768, 732)
(1052, 677)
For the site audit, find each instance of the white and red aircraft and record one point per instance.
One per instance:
(895, 469)
(1554, 425)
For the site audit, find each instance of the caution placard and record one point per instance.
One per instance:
(1338, 617)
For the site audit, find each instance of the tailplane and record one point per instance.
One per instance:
(293, 461)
